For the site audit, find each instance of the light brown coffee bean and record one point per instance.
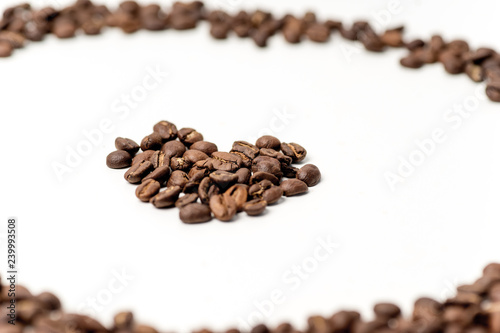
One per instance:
(255, 207)
(223, 207)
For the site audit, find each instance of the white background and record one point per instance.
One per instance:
(356, 118)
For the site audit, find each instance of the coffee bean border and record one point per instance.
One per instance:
(22, 23)
(474, 309)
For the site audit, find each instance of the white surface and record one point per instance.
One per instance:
(355, 118)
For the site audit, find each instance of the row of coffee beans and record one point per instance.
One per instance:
(474, 309)
(21, 23)
(202, 181)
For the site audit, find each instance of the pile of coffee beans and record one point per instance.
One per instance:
(22, 23)
(202, 181)
(474, 309)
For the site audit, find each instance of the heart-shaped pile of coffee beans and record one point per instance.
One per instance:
(202, 181)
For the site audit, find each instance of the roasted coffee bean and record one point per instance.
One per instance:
(452, 64)
(64, 28)
(27, 310)
(166, 130)
(205, 147)
(259, 17)
(474, 72)
(49, 301)
(309, 174)
(223, 179)
(173, 149)
(242, 30)
(479, 55)
(371, 40)
(437, 43)
(147, 190)
(144, 156)
(458, 47)
(192, 156)
(195, 213)
(138, 171)
(239, 193)
(268, 141)
(225, 161)
(15, 39)
(223, 207)
(293, 187)
(492, 269)
(267, 164)
(191, 186)
(259, 176)
(207, 189)
(257, 190)
(289, 171)
(188, 136)
(318, 324)
(415, 44)
(292, 31)
(243, 175)
(246, 162)
(179, 163)
(166, 198)
(128, 145)
(151, 142)
(160, 174)
(318, 33)
(255, 207)
(426, 308)
(261, 36)
(393, 37)
(178, 178)
(261, 328)
(386, 311)
(412, 61)
(123, 320)
(198, 172)
(159, 159)
(282, 158)
(186, 200)
(272, 194)
(81, 323)
(248, 149)
(294, 150)
(119, 159)
(220, 30)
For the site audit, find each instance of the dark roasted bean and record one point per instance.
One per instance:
(267, 164)
(160, 174)
(415, 44)
(223, 179)
(268, 141)
(151, 142)
(206, 189)
(166, 130)
(293, 187)
(119, 159)
(276, 154)
(493, 91)
(173, 149)
(259, 176)
(318, 33)
(188, 136)
(248, 149)
(205, 147)
(192, 156)
(294, 150)
(195, 213)
(386, 311)
(144, 156)
(49, 301)
(178, 178)
(393, 37)
(128, 145)
(147, 190)
(239, 193)
(309, 174)
(289, 171)
(64, 28)
(246, 162)
(255, 207)
(412, 61)
(167, 197)
(138, 171)
(186, 200)
(272, 194)
(257, 190)
(223, 206)
(179, 163)
(225, 161)
(243, 175)
(159, 159)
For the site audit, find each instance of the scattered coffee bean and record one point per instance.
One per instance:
(160, 174)
(223, 179)
(309, 174)
(188, 136)
(293, 187)
(119, 159)
(268, 141)
(166, 130)
(167, 197)
(192, 156)
(158, 159)
(294, 150)
(6, 49)
(173, 149)
(205, 147)
(255, 207)
(223, 206)
(186, 200)
(272, 195)
(144, 156)
(239, 193)
(148, 189)
(128, 145)
(243, 175)
(151, 142)
(178, 178)
(195, 213)
(138, 171)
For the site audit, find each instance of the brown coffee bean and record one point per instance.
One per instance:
(192, 156)
(493, 91)
(225, 161)
(492, 269)
(289, 171)
(223, 179)
(49, 301)
(27, 310)
(293, 187)
(223, 207)
(160, 174)
(272, 195)
(158, 159)
(479, 55)
(166, 130)
(178, 178)
(415, 44)
(318, 324)
(220, 30)
(243, 175)
(144, 156)
(426, 308)
(128, 145)
(458, 47)
(15, 39)
(268, 165)
(436, 44)
(246, 162)
(123, 320)
(166, 198)
(205, 147)
(82, 323)
(207, 189)
(119, 159)
(318, 33)
(386, 311)
(259, 176)
(268, 141)
(309, 174)
(242, 30)
(292, 31)
(343, 321)
(179, 163)
(188, 136)
(195, 213)
(138, 171)
(257, 190)
(294, 150)
(248, 149)
(412, 61)
(282, 158)
(240, 194)
(393, 37)
(261, 328)
(151, 142)
(452, 64)
(147, 190)
(255, 207)
(474, 72)
(6, 49)
(186, 200)
(64, 28)
(173, 149)
(370, 39)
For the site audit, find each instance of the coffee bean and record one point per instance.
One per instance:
(225, 161)
(27, 310)
(223, 207)
(219, 30)
(318, 324)
(493, 91)
(248, 149)
(192, 156)
(144, 156)
(158, 159)
(178, 178)
(370, 39)
(293, 187)
(195, 213)
(259, 176)
(205, 147)
(243, 175)
(151, 142)
(412, 61)
(64, 28)
(246, 162)
(458, 47)
(15, 39)
(138, 171)
(386, 311)
(123, 320)
(242, 30)
(6, 49)
(261, 328)
(223, 179)
(188, 136)
(147, 190)
(255, 207)
(282, 158)
(81, 323)
(309, 174)
(492, 269)
(294, 150)
(173, 149)
(393, 37)
(119, 159)
(166, 130)
(272, 195)
(415, 44)
(49, 301)
(268, 165)
(207, 189)
(436, 44)
(257, 190)
(191, 186)
(474, 72)
(289, 171)
(179, 163)
(186, 200)
(479, 55)
(292, 31)
(198, 172)
(239, 193)
(128, 145)
(318, 33)
(166, 198)
(426, 308)
(453, 64)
